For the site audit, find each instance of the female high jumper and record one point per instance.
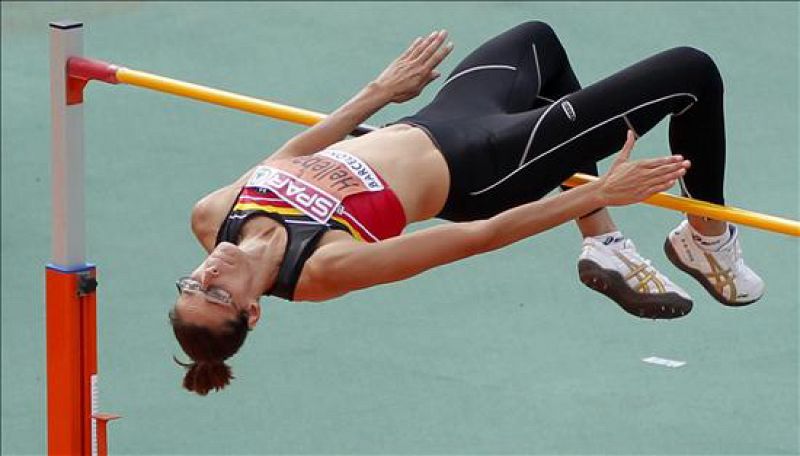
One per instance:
(324, 215)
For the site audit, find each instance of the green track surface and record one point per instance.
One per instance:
(503, 353)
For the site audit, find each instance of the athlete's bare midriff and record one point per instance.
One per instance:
(410, 163)
(403, 155)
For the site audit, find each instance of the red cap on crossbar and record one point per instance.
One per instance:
(81, 70)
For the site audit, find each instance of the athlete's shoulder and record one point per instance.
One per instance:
(209, 213)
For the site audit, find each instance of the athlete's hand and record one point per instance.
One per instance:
(407, 75)
(628, 182)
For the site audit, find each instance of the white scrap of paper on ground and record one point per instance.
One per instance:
(663, 361)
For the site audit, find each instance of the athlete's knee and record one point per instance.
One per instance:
(700, 66)
(538, 29)
(695, 58)
(537, 26)
(542, 36)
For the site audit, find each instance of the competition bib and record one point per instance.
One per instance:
(316, 184)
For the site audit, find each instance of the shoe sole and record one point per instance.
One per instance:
(673, 257)
(660, 306)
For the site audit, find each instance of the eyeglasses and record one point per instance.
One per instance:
(212, 294)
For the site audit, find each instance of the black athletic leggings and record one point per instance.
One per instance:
(513, 122)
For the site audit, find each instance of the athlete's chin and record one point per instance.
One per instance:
(227, 253)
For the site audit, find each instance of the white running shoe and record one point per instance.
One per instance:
(631, 281)
(721, 272)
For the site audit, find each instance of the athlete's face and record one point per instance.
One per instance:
(224, 290)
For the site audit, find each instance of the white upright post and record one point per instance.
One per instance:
(70, 281)
(66, 40)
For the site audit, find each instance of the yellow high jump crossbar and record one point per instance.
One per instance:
(84, 70)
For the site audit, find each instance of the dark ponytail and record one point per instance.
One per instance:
(208, 350)
(202, 377)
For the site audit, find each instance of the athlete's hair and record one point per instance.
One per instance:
(208, 350)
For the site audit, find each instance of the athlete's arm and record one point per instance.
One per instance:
(337, 268)
(340, 267)
(402, 80)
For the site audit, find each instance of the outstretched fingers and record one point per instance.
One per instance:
(665, 167)
(628, 182)
(421, 44)
(427, 52)
(660, 161)
(664, 184)
(437, 57)
(665, 176)
(670, 167)
(406, 76)
(411, 48)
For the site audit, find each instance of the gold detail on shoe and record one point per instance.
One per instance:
(721, 277)
(643, 274)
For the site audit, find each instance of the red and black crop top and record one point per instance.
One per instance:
(310, 195)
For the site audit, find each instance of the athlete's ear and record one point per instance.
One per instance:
(253, 314)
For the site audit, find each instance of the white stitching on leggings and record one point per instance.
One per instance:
(685, 190)
(533, 132)
(630, 125)
(538, 73)
(523, 165)
(685, 109)
(482, 67)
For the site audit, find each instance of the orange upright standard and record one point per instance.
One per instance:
(73, 425)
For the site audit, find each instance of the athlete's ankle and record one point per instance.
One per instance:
(707, 227)
(613, 239)
(711, 242)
